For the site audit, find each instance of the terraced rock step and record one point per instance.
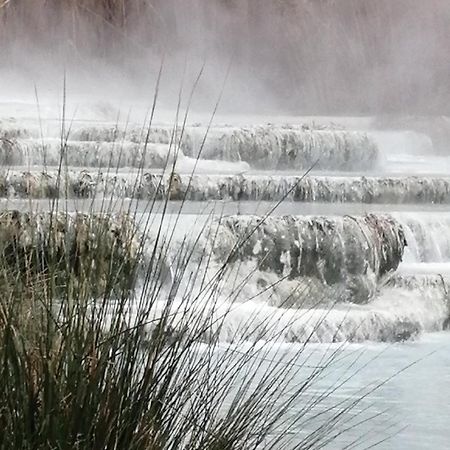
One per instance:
(420, 282)
(31, 152)
(85, 184)
(355, 252)
(265, 147)
(50, 152)
(395, 316)
(98, 250)
(357, 189)
(245, 187)
(12, 129)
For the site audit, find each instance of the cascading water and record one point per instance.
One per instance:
(375, 274)
(264, 147)
(427, 235)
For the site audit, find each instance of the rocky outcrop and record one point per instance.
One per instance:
(354, 251)
(99, 251)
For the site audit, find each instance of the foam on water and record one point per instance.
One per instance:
(402, 310)
(395, 315)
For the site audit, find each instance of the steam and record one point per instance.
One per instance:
(293, 56)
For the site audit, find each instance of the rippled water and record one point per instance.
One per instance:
(413, 405)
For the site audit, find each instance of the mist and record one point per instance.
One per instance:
(321, 57)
